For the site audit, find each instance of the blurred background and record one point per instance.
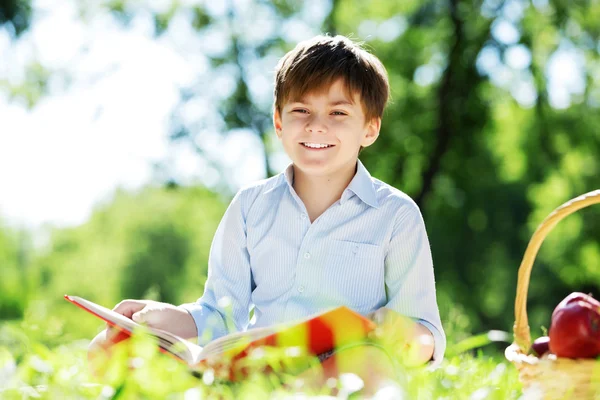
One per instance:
(126, 126)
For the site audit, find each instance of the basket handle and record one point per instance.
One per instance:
(521, 328)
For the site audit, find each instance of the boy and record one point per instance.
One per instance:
(323, 233)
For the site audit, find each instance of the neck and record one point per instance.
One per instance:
(318, 193)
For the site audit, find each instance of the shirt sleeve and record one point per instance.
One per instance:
(409, 277)
(224, 306)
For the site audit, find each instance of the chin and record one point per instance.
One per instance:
(313, 171)
(314, 166)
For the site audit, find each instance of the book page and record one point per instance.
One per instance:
(325, 330)
(233, 340)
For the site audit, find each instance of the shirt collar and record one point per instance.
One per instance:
(288, 175)
(361, 185)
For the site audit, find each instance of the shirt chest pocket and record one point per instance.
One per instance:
(355, 272)
(354, 250)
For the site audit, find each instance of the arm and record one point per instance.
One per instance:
(410, 289)
(224, 306)
(229, 280)
(413, 341)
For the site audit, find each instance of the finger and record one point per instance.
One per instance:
(147, 315)
(139, 317)
(151, 316)
(130, 307)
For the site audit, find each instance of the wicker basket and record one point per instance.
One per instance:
(550, 377)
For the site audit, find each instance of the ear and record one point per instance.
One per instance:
(372, 132)
(277, 122)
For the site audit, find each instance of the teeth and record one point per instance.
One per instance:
(316, 145)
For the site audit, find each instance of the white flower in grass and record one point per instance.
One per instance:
(350, 383)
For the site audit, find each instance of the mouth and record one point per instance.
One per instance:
(316, 146)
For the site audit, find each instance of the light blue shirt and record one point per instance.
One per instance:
(368, 250)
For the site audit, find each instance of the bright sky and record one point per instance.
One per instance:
(107, 128)
(77, 145)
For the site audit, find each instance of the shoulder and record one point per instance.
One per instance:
(389, 196)
(248, 194)
(394, 201)
(261, 187)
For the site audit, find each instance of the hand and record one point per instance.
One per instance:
(159, 315)
(411, 341)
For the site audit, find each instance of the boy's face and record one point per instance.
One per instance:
(323, 132)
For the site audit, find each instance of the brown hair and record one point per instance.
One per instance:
(315, 64)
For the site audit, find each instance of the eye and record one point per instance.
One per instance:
(300, 110)
(338, 113)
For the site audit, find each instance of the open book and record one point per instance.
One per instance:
(315, 335)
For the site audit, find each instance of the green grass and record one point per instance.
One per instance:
(30, 368)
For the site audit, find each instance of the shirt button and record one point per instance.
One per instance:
(303, 216)
(301, 289)
(307, 255)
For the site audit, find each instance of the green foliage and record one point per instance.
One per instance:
(485, 169)
(17, 14)
(136, 369)
(15, 285)
(158, 256)
(153, 243)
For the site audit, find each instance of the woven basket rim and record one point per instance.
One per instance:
(522, 335)
(516, 356)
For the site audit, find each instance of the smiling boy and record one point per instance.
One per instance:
(322, 132)
(323, 233)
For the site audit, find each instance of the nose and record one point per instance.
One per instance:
(316, 125)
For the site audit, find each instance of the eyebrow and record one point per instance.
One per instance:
(342, 103)
(333, 103)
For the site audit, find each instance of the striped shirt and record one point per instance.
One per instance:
(368, 250)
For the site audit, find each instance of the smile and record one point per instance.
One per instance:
(317, 145)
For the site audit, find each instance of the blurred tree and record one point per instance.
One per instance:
(493, 123)
(157, 258)
(246, 40)
(15, 284)
(472, 137)
(151, 243)
(233, 47)
(15, 15)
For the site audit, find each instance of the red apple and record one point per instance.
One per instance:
(577, 296)
(575, 327)
(541, 346)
